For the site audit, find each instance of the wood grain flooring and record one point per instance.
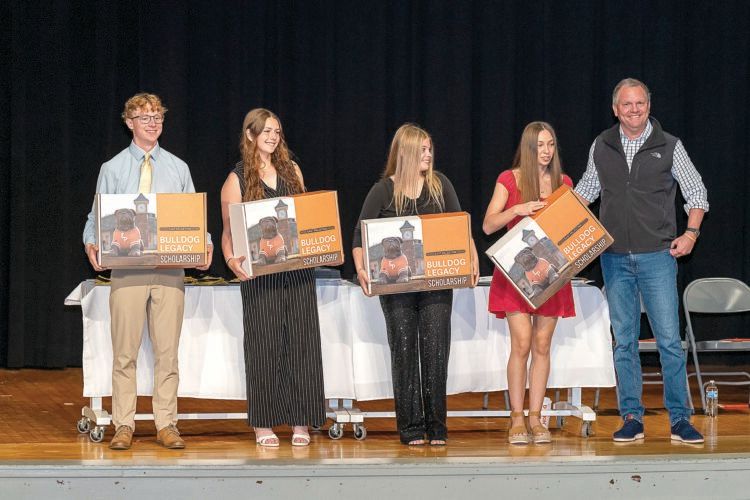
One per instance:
(39, 410)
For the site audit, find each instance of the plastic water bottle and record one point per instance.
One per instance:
(711, 432)
(712, 399)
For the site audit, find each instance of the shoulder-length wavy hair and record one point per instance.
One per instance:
(255, 121)
(527, 165)
(403, 165)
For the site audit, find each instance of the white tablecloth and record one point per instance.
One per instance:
(356, 360)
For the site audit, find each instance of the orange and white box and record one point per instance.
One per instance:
(151, 230)
(411, 254)
(286, 233)
(543, 252)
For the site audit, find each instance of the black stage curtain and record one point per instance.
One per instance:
(342, 76)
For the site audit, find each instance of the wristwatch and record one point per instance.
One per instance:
(694, 230)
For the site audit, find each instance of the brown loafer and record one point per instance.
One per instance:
(169, 437)
(122, 438)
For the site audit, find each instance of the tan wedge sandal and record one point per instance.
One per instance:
(539, 433)
(518, 434)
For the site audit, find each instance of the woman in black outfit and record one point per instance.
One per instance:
(418, 323)
(280, 313)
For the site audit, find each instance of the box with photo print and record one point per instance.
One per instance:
(151, 230)
(289, 232)
(409, 254)
(540, 254)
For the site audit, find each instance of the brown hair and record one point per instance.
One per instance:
(142, 100)
(255, 121)
(527, 165)
(403, 165)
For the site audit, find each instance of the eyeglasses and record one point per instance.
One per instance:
(146, 119)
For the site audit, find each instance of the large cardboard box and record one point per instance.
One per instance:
(411, 254)
(290, 232)
(543, 252)
(151, 230)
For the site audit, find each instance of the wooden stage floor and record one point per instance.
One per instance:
(39, 410)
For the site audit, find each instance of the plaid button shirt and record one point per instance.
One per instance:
(631, 146)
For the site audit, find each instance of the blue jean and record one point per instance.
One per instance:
(652, 276)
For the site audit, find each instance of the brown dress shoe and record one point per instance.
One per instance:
(169, 437)
(122, 438)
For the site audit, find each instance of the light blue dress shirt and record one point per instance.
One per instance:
(121, 175)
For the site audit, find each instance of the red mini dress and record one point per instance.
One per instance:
(504, 298)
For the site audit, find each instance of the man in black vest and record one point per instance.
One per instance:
(636, 167)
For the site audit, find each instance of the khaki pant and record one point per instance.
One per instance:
(136, 296)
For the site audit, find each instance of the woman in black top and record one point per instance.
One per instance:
(418, 323)
(283, 365)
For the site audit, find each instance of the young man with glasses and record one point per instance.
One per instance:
(139, 294)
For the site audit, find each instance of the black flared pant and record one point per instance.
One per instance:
(419, 336)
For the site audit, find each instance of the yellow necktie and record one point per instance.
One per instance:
(144, 186)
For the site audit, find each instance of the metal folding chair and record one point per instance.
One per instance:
(716, 296)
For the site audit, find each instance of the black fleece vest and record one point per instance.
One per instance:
(637, 207)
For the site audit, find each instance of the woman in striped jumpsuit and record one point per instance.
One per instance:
(280, 315)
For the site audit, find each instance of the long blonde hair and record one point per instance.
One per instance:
(403, 165)
(526, 162)
(255, 121)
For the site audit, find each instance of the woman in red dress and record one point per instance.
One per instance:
(519, 192)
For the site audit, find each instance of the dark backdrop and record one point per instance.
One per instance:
(342, 76)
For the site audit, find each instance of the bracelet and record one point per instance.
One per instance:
(230, 258)
(689, 235)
